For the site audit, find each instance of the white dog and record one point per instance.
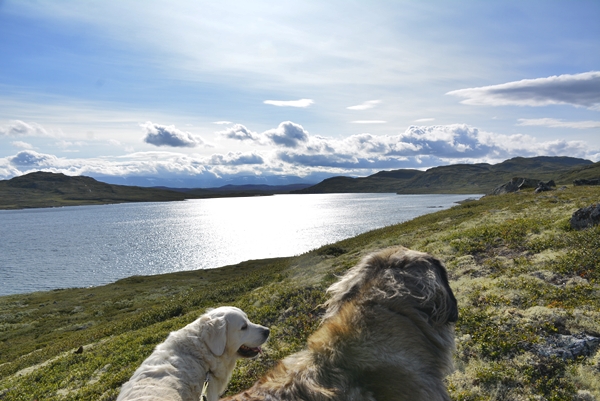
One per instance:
(204, 351)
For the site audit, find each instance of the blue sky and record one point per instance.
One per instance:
(205, 93)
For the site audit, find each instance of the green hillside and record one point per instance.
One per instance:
(527, 285)
(42, 189)
(463, 178)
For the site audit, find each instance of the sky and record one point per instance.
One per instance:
(208, 93)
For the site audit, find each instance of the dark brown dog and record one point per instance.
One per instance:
(387, 334)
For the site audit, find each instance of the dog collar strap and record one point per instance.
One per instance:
(204, 396)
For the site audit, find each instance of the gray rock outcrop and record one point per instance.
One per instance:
(568, 346)
(545, 186)
(595, 181)
(515, 184)
(586, 217)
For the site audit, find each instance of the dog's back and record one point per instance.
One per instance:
(387, 335)
(171, 372)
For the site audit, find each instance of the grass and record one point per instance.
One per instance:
(520, 274)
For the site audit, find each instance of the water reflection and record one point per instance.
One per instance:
(92, 245)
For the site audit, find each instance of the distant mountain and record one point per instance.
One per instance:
(383, 181)
(240, 189)
(42, 189)
(463, 178)
(207, 180)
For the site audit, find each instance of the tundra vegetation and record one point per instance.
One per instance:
(528, 288)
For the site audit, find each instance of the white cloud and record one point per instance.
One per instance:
(290, 103)
(424, 120)
(555, 123)
(22, 145)
(21, 128)
(581, 90)
(163, 135)
(441, 144)
(456, 140)
(240, 133)
(369, 104)
(287, 134)
(68, 144)
(222, 122)
(30, 158)
(236, 159)
(369, 122)
(302, 154)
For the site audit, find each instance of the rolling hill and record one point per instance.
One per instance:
(463, 178)
(43, 189)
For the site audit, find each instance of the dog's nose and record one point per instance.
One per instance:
(266, 332)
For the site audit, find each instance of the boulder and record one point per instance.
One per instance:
(545, 186)
(595, 181)
(568, 346)
(586, 217)
(515, 184)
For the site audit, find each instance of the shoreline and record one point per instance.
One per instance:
(432, 209)
(518, 242)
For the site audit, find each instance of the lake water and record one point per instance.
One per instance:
(82, 246)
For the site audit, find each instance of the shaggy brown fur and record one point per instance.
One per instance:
(387, 334)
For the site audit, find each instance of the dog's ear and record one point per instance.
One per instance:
(215, 335)
(441, 306)
(426, 279)
(451, 305)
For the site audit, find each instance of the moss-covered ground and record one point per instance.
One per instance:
(522, 278)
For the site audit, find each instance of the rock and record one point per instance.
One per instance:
(584, 395)
(568, 346)
(515, 184)
(594, 181)
(576, 281)
(545, 186)
(586, 217)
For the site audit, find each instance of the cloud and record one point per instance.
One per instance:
(343, 161)
(457, 140)
(581, 90)
(305, 155)
(424, 120)
(240, 133)
(30, 158)
(554, 123)
(22, 145)
(222, 122)
(287, 134)
(369, 122)
(440, 144)
(163, 135)
(369, 104)
(20, 128)
(236, 159)
(68, 144)
(290, 103)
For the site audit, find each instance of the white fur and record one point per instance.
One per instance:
(177, 368)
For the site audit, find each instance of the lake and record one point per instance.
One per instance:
(82, 246)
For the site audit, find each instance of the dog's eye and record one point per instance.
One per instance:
(245, 326)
